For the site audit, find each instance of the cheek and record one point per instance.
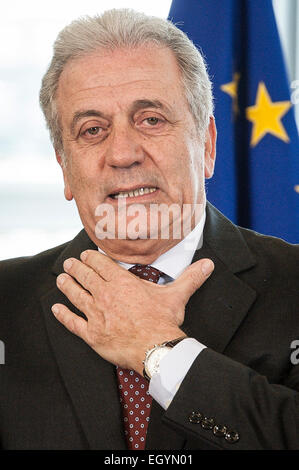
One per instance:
(181, 165)
(80, 173)
(197, 166)
(84, 187)
(194, 174)
(191, 164)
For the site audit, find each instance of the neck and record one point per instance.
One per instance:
(145, 250)
(136, 251)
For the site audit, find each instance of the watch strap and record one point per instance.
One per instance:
(174, 342)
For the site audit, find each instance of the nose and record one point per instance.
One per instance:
(125, 148)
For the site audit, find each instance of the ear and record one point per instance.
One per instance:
(67, 190)
(210, 148)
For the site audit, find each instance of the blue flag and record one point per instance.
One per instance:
(256, 180)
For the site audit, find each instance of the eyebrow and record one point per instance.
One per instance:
(136, 106)
(82, 114)
(141, 104)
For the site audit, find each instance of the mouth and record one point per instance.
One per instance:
(133, 193)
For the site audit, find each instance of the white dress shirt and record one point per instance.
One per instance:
(175, 365)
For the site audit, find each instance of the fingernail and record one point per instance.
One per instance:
(67, 264)
(207, 267)
(83, 255)
(60, 279)
(55, 309)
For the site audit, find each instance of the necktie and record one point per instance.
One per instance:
(133, 388)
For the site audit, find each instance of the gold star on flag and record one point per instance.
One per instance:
(266, 116)
(231, 89)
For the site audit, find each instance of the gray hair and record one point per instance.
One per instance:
(126, 28)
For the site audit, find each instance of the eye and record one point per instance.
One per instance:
(152, 120)
(92, 130)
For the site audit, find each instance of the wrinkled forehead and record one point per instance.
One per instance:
(121, 72)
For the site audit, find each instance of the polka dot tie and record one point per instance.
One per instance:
(133, 388)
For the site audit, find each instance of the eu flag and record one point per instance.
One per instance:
(256, 180)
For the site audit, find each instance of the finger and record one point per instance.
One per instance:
(75, 293)
(85, 275)
(102, 264)
(72, 322)
(192, 278)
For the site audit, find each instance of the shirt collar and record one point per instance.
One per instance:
(174, 261)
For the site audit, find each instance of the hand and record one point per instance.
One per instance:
(126, 315)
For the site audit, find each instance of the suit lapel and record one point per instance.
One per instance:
(216, 310)
(89, 380)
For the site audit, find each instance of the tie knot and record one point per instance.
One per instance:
(146, 272)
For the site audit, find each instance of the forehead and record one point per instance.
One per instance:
(121, 76)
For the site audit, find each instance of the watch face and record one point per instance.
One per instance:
(154, 359)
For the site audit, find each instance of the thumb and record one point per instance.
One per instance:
(193, 278)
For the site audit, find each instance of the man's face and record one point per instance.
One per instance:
(126, 125)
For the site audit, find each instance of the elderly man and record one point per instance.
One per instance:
(98, 357)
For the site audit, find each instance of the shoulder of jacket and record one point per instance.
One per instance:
(277, 256)
(28, 267)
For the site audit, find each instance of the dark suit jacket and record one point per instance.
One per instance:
(57, 393)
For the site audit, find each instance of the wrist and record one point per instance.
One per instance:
(154, 356)
(140, 349)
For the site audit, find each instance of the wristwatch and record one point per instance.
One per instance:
(153, 356)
